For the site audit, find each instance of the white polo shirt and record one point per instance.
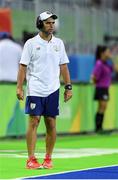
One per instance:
(43, 60)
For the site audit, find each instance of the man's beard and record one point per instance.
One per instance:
(46, 32)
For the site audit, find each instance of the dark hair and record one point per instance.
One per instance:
(39, 23)
(6, 35)
(99, 50)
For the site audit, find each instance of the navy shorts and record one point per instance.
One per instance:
(46, 106)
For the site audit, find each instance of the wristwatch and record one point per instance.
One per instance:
(68, 87)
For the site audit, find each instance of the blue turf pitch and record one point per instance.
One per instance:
(97, 173)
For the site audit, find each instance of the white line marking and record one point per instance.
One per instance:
(62, 153)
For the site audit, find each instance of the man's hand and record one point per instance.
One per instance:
(67, 95)
(20, 94)
(20, 81)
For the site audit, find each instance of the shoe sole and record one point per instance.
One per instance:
(41, 167)
(46, 167)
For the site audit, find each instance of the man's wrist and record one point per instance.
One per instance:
(68, 87)
(20, 87)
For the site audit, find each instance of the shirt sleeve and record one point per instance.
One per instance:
(63, 58)
(97, 72)
(26, 53)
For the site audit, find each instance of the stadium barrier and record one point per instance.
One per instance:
(81, 67)
(76, 116)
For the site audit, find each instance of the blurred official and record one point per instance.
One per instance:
(102, 76)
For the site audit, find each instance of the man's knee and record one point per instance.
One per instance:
(34, 121)
(50, 124)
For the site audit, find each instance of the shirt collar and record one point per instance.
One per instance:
(44, 41)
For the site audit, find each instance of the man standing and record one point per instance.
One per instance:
(43, 60)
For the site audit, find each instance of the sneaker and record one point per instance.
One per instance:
(47, 164)
(32, 163)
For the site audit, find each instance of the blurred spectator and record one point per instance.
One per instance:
(10, 53)
(102, 76)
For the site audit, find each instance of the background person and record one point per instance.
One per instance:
(102, 76)
(10, 54)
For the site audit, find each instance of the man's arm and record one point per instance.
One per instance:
(66, 78)
(20, 80)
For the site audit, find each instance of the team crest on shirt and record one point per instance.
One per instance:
(32, 105)
(56, 48)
